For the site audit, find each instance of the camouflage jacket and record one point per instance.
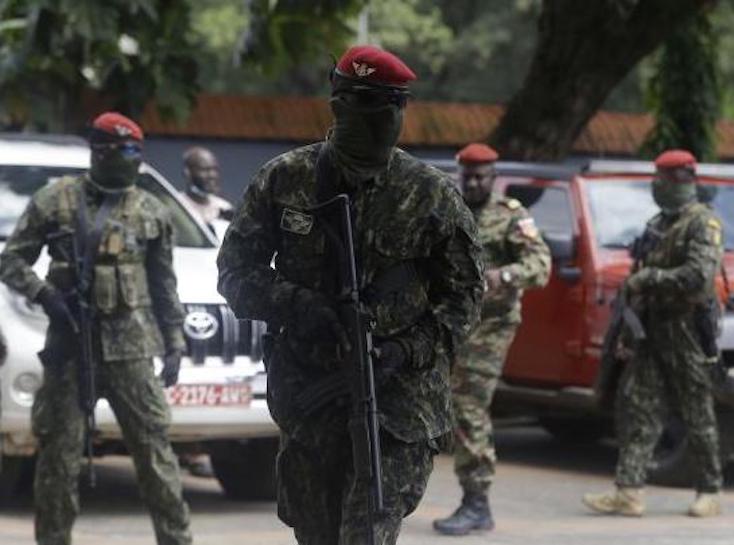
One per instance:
(137, 311)
(411, 215)
(685, 253)
(511, 242)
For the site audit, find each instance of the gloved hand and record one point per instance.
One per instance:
(315, 319)
(641, 280)
(171, 367)
(391, 356)
(56, 309)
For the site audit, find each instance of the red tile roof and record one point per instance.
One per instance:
(440, 124)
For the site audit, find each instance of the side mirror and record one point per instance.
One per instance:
(563, 249)
(562, 246)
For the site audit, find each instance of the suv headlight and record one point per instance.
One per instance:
(25, 387)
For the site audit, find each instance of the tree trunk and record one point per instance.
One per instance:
(584, 49)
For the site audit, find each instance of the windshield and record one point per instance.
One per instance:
(620, 210)
(19, 182)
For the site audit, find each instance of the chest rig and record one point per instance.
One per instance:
(117, 279)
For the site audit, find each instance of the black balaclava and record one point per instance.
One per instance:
(115, 161)
(367, 125)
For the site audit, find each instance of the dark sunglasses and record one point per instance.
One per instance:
(128, 149)
(376, 98)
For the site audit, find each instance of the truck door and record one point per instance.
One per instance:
(549, 338)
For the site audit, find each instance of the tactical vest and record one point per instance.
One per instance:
(120, 281)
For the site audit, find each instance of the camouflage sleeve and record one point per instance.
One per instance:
(246, 280)
(22, 250)
(167, 308)
(456, 277)
(705, 251)
(531, 257)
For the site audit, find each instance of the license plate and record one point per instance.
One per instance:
(209, 394)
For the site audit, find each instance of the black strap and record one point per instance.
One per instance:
(88, 241)
(326, 189)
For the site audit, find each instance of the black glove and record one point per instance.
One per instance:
(391, 357)
(56, 309)
(171, 367)
(314, 318)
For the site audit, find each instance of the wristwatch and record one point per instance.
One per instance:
(506, 276)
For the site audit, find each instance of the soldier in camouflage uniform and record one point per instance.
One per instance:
(419, 271)
(672, 287)
(137, 315)
(515, 258)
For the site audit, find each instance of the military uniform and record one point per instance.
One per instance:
(408, 218)
(138, 314)
(511, 243)
(670, 369)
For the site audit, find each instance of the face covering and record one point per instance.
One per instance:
(363, 138)
(113, 169)
(672, 196)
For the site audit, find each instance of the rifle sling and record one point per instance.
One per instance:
(88, 241)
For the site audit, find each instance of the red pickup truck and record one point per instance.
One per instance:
(589, 216)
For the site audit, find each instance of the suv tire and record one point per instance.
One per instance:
(16, 478)
(575, 431)
(245, 469)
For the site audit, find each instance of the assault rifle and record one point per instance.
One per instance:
(623, 317)
(356, 375)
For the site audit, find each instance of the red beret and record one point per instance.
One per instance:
(675, 158)
(477, 153)
(118, 125)
(374, 65)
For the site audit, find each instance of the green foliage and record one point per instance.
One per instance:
(684, 93)
(287, 32)
(58, 55)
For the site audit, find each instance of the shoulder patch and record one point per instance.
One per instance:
(527, 227)
(713, 226)
(714, 223)
(296, 222)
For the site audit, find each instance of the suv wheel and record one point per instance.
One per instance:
(245, 469)
(16, 477)
(575, 430)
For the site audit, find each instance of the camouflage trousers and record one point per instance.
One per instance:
(473, 382)
(671, 372)
(137, 399)
(320, 498)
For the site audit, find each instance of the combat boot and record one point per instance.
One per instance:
(705, 505)
(620, 501)
(473, 514)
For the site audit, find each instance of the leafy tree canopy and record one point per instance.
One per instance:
(57, 56)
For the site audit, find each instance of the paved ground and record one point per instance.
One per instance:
(536, 500)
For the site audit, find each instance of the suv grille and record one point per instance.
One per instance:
(213, 330)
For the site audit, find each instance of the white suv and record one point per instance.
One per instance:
(220, 398)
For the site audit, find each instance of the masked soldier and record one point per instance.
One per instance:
(201, 171)
(515, 258)
(672, 283)
(419, 272)
(125, 236)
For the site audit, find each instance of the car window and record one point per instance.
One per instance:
(186, 231)
(19, 182)
(620, 210)
(549, 206)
